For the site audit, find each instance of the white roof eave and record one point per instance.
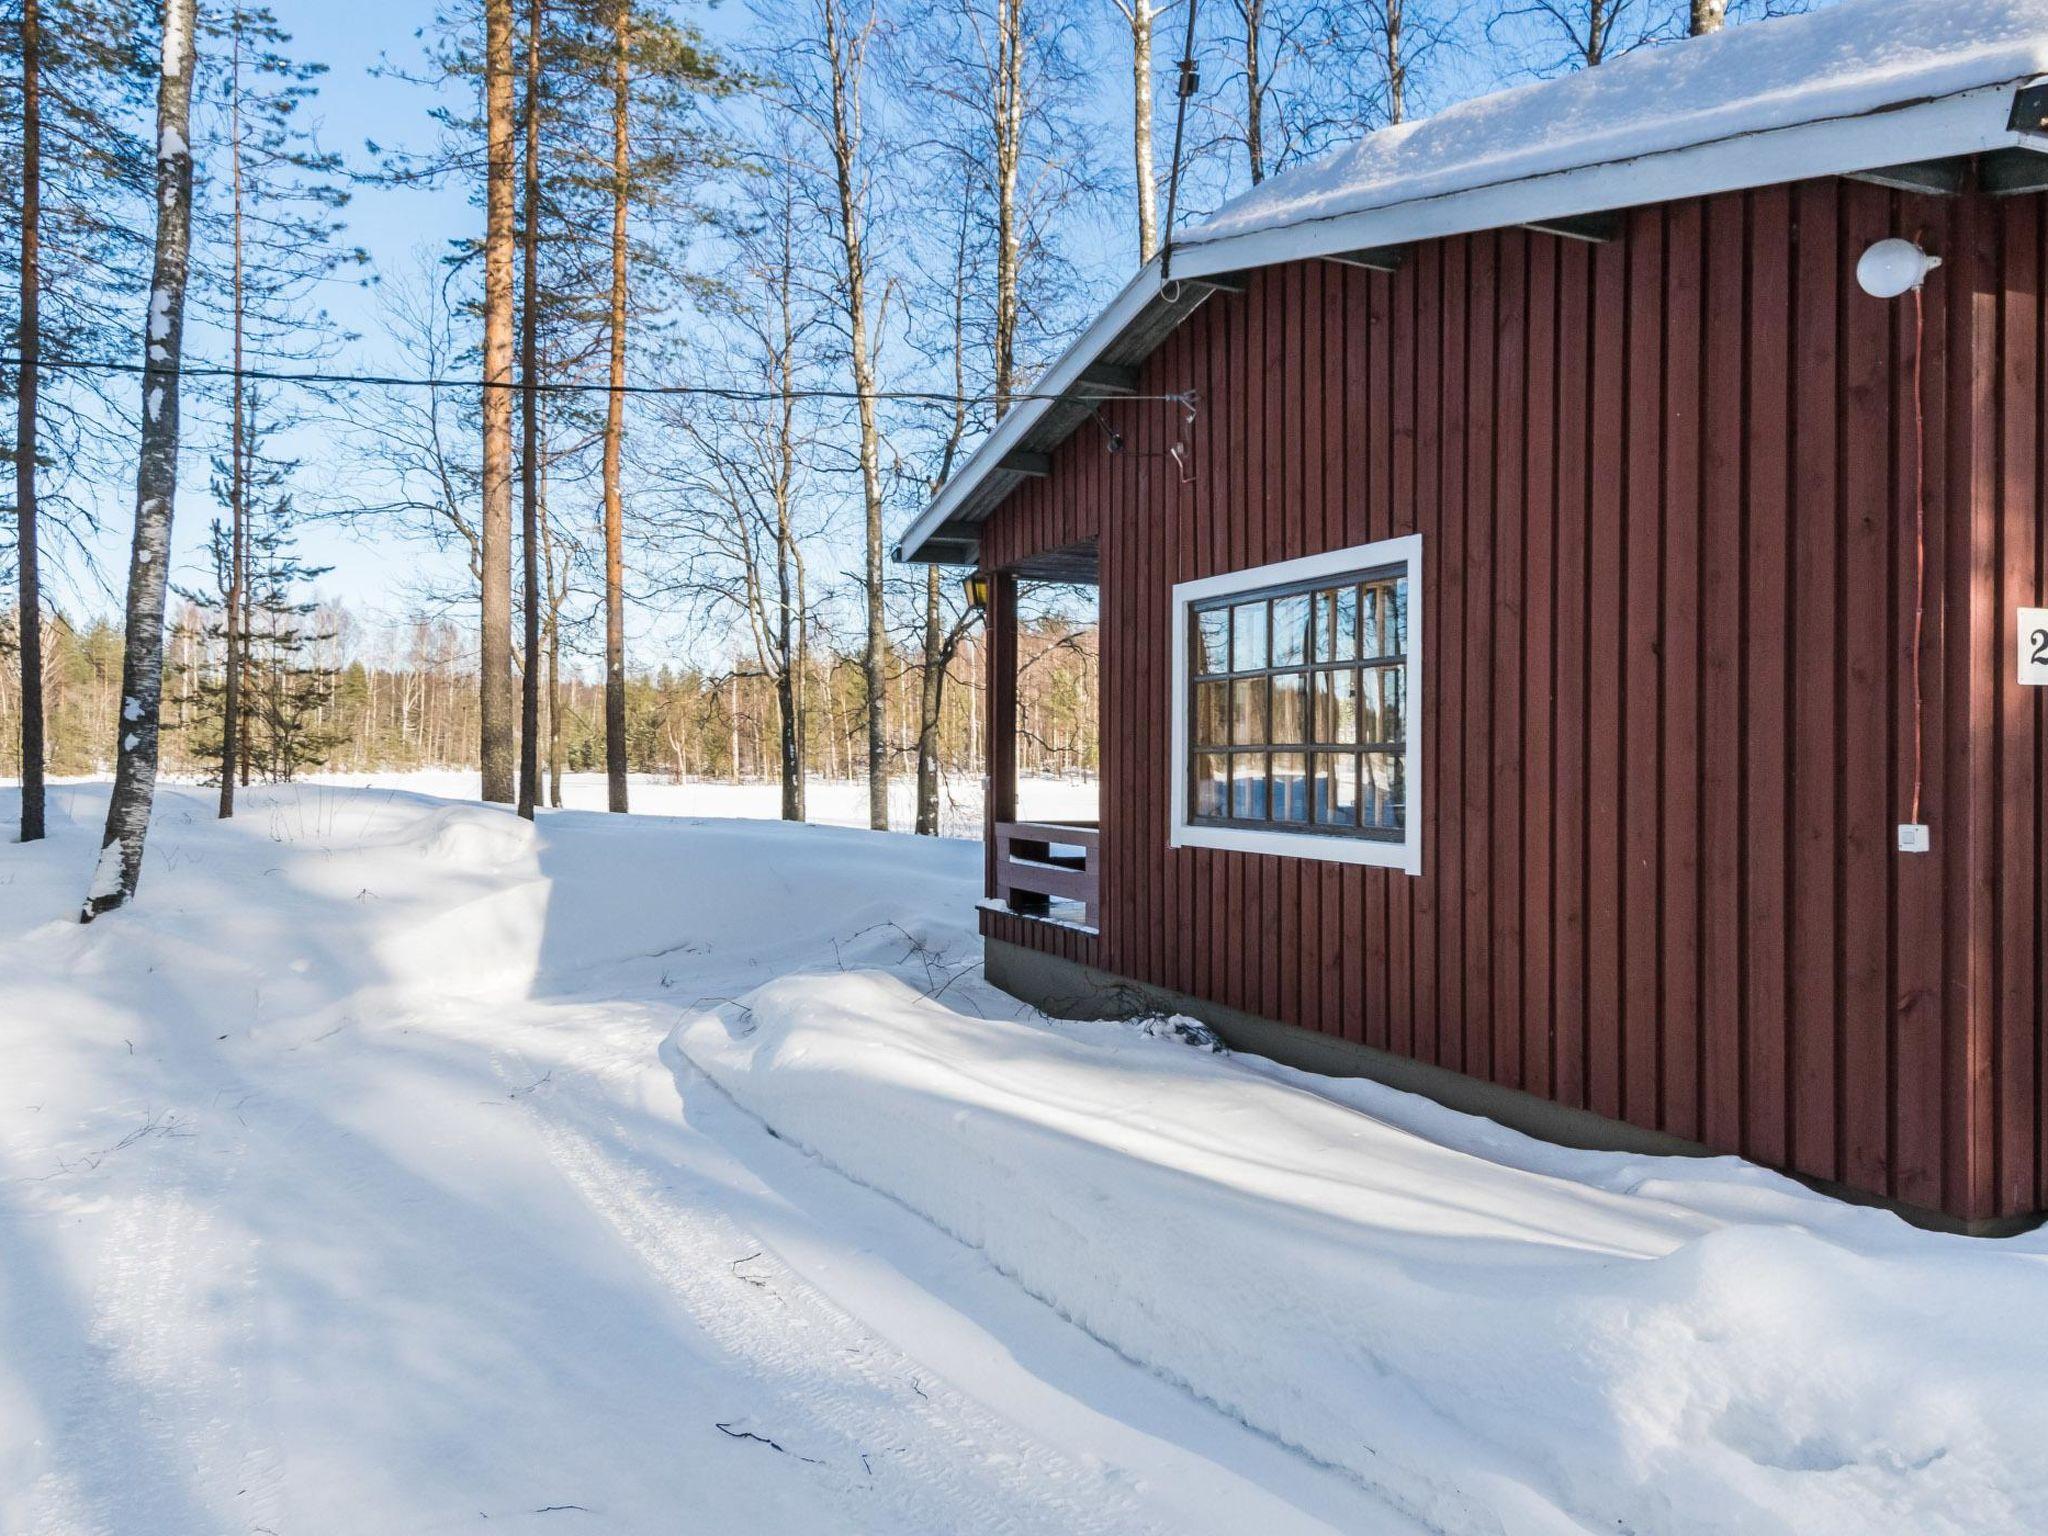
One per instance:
(1967, 122)
(1017, 422)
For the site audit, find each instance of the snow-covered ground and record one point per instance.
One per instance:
(397, 1166)
(828, 802)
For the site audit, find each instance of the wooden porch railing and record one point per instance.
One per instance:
(1039, 861)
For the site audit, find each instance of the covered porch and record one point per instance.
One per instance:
(1043, 884)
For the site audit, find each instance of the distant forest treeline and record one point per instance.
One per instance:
(393, 700)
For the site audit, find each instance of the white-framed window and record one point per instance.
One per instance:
(1296, 720)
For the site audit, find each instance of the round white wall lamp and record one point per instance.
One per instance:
(1893, 267)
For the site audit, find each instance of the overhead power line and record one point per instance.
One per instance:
(569, 386)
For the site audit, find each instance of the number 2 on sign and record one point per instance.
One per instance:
(2034, 647)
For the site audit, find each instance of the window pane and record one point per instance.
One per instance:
(1211, 783)
(1290, 707)
(1248, 637)
(1212, 640)
(1248, 786)
(1248, 712)
(1393, 704)
(1337, 789)
(1385, 795)
(1290, 630)
(1290, 786)
(1383, 623)
(1212, 714)
(1336, 627)
(1337, 706)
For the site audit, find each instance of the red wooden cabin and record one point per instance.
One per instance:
(1540, 586)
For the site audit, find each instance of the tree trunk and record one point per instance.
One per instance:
(494, 701)
(119, 870)
(1254, 90)
(246, 737)
(930, 699)
(1397, 67)
(1009, 146)
(615, 426)
(1708, 16)
(29, 349)
(238, 488)
(842, 54)
(529, 428)
(1142, 14)
(789, 616)
(555, 712)
(786, 705)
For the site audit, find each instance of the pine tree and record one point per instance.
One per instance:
(27, 344)
(289, 692)
(495, 684)
(616, 317)
(72, 73)
(281, 226)
(530, 302)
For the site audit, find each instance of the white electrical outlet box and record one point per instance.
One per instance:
(1914, 838)
(2034, 647)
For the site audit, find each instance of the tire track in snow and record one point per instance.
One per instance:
(885, 1426)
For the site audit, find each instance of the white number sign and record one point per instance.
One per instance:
(2034, 647)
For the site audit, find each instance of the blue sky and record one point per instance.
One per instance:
(375, 575)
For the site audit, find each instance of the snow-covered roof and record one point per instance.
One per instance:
(1860, 86)
(1851, 60)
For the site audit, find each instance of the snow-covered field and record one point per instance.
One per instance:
(828, 802)
(397, 1166)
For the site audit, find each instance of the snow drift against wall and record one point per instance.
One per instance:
(1501, 1335)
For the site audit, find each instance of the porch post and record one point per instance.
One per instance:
(999, 785)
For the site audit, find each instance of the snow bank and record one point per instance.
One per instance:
(1500, 1335)
(1857, 57)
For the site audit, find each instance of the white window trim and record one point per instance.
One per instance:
(1403, 854)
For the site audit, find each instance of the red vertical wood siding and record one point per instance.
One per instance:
(1667, 488)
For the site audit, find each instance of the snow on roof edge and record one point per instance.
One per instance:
(1851, 60)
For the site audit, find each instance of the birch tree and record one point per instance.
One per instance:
(1555, 37)
(495, 530)
(1708, 16)
(998, 86)
(1139, 15)
(1380, 57)
(747, 501)
(119, 869)
(1004, 47)
(823, 82)
(1309, 74)
(941, 635)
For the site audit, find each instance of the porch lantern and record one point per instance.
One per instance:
(976, 588)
